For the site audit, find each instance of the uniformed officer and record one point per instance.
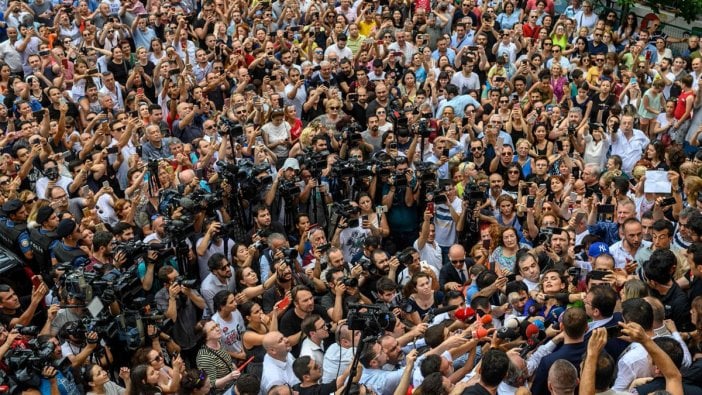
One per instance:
(43, 237)
(67, 250)
(13, 229)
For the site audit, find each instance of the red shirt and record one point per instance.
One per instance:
(532, 32)
(681, 104)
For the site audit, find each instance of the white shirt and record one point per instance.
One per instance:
(336, 360)
(277, 372)
(340, 52)
(232, 330)
(209, 288)
(314, 351)
(630, 150)
(43, 184)
(9, 55)
(430, 253)
(632, 364)
(621, 256)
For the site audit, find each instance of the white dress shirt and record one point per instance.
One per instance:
(277, 372)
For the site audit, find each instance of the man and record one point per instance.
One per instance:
(694, 258)
(277, 363)
(308, 371)
(315, 330)
(381, 381)
(493, 369)
(67, 249)
(41, 238)
(447, 214)
(302, 307)
(633, 363)
(12, 310)
(187, 127)
(13, 228)
(179, 304)
(528, 266)
(219, 279)
(574, 323)
(628, 143)
(402, 45)
(9, 53)
(381, 100)
(455, 273)
(625, 250)
(443, 50)
(608, 232)
(596, 46)
(340, 354)
(263, 223)
(52, 178)
(661, 239)
(114, 90)
(657, 274)
(467, 79)
(562, 378)
(429, 249)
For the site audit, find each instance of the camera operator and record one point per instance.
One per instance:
(67, 249)
(400, 200)
(75, 312)
(342, 291)
(448, 212)
(13, 229)
(179, 304)
(282, 204)
(56, 379)
(381, 266)
(353, 233)
(212, 242)
(363, 259)
(263, 222)
(219, 279)
(440, 147)
(81, 346)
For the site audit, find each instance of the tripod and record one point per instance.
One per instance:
(367, 339)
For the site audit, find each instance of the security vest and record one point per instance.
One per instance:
(10, 234)
(64, 255)
(40, 243)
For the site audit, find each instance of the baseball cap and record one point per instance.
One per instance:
(597, 249)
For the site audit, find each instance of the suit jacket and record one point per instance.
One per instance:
(449, 273)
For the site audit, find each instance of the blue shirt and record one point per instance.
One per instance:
(450, 53)
(607, 231)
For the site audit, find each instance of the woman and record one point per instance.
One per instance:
(514, 177)
(420, 297)
(579, 50)
(332, 115)
(383, 124)
(242, 255)
(651, 106)
(557, 189)
(378, 225)
(231, 323)
(295, 123)
(541, 145)
(276, 136)
(552, 282)
(504, 256)
(522, 157)
(627, 29)
(509, 16)
(560, 37)
(257, 325)
(655, 155)
(663, 123)
(633, 289)
(248, 279)
(168, 377)
(98, 381)
(694, 338)
(408, 87)
(156, 53)
(662, 51)
(144, 381)
(195, 382)
(515, 125)
(596, 144)
(692, 189)
(507, 213)
(213, 359)
(558, 83)
(5, 72)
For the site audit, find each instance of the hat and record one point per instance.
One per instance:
(11, 206)
(597, 249)
(44, 213)
(291, 163)
(65, 227)
(341, 37)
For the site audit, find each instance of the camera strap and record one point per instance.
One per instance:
(229, 364)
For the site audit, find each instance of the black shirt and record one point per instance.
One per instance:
(476, 389)
(317, 389)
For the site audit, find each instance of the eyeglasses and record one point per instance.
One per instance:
(380, 112)
(334, 108)
(504, 101)
(458, 261)
(513, 172)
(507, 154)
(599, 60)
(157, 359)
(556, 50)
(472, 149)
(209, 127)
(223, 267)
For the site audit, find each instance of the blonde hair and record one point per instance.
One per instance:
(693, 185)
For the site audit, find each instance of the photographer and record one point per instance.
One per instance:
(263, 222)
(81, 346)
(211, 243)
(284, 194)
(399, 197)
(382, 265)
(179, 304)
(342, 291)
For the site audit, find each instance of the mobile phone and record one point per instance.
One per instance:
(84, 190)
(430, 207)
(397, 53)
(38, 115)
(105, 184)
(138, 151)
(36, 281)
(64, 62)
(613, 331)
(295, 28)
(272, 34)
(140, 91)
(353, 96)
(573, 197)
(44, 52)
(445, 152)
(559, 145)
(605, 208)
(199, 173)
(669, 201)
(94, 70)
(364, 218)
(599, 274)
(511, 277)
(486, 244)
(86, 212)
(283, 304)
(472, 48)
(542, 186)
(530, 201)
(173, 72)
(112, 150)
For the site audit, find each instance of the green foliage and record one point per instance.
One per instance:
(686, 9)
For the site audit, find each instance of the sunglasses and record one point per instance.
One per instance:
(458, 261)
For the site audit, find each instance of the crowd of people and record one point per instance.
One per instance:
(373, 196)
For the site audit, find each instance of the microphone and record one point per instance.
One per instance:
(486, 319)
(4, 389)
(445, 309)
(465, 314)
(477, 334)
(531, 334)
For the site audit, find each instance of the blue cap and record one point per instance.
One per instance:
(597, 249)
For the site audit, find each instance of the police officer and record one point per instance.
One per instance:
(13, 229)
(43, 237)
(66, 250)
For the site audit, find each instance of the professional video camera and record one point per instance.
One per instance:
(134, 248)
(374, 321)
(227, 127)
(345, 209)
(27, 364)
(352, 132)
(315, 162)
(423, 128)
(473, 195)
(288, 189)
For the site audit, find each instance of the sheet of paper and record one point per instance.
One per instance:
(657, 182)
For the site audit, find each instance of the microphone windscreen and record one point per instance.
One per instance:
(531, 330)
(464, 314)
(512, 323)
(539, 324)
(486, 319)
(480, 333)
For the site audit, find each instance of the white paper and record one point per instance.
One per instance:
(657, 182)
